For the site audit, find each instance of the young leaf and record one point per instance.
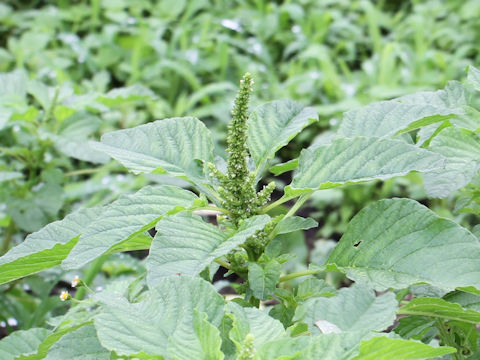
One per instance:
(439, 308)
(272, 125)
(461, 148)
(22, 342)
(263, 278)
(163, 322)
(125, 218)
(186, 244)
(47, 247)
(360, 159)
(79, 344)
(395, 243)
(255, 322)
(383, 348)
(208, 335)
(354, 308)
(169, 146)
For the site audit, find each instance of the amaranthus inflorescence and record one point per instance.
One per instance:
(237, 186)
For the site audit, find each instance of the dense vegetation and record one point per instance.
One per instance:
(334, 229)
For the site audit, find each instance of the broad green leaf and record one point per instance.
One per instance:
(473, 77)
(413, 326)
(48, 342)
(341, 346)
(294, 223)
(81, 344)
(272, 125)
(461, 148)
(353, 308)
(439, 308)
(169, 145)
(360, 159)
(72, 137)
(395, 243)
(47, 247)
(255, 322)
(122, 95)
(10, 175)
(209, 337)
(125, 218)
(21, 342)
(386, 118)
(263, 278)
(465, 299)
(163, 322)
(186, 244)
(383, 348)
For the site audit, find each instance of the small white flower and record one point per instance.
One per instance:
(75, 281)
(65, 296)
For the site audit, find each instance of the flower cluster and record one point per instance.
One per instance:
(237, 187)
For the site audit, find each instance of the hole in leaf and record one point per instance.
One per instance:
(357, 243)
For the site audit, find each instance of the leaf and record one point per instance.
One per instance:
(21, 342)
(461, 148)
(439, 308)
(47, 247)
(284, 167)
(353, 308)
(263, 278)
(465, 299)
(360, 159)
(72, 138)
(385, 118)
(125, 218)
(294, 223)
(395, 243)
(209, 337)
(383, 348)
(272, 125)
(331, 346)
(253, 321)
(163, 322)
(81, 344)
(122, 95)
(473, 77)
(10, 175)
(186, 244)
(169, 145)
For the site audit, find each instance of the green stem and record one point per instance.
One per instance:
(90, 275)
(300, 274)
(84, 171)
(447, 339)
(223, 263)
(276, 203)
(301, 200)
(8, 237)
(51, 109)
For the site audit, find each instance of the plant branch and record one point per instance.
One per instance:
(300, 274)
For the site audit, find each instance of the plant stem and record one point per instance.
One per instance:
(90, 275)
(8, 237)
(301, 200)
(299, 274)
(223, 263)
(447, 339)
(276, 203)
(83, 171)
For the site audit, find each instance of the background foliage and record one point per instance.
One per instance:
(73, 71)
